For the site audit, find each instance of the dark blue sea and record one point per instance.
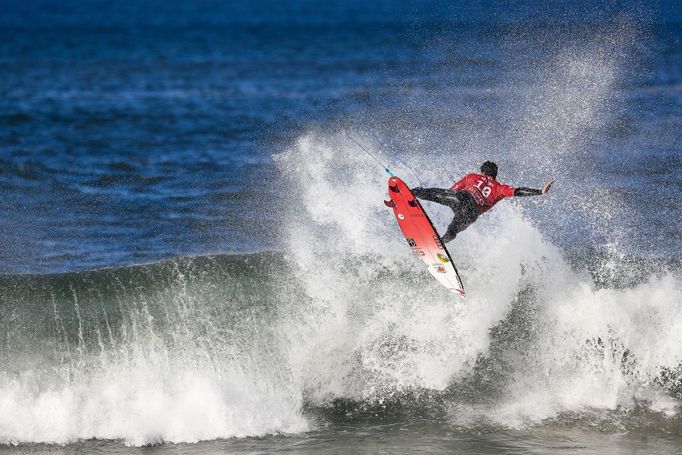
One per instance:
(195, 256)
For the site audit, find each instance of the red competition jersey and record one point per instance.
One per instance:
(485, 190)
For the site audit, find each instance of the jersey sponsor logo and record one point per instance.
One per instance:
(411, 242)
(443, 258)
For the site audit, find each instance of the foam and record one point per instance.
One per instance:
(413, 335)
(142, 406)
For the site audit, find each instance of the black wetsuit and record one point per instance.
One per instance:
(462, 204)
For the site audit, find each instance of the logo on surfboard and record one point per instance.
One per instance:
(443, 258)
(439, 244)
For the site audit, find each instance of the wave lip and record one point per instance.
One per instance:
(179, 351)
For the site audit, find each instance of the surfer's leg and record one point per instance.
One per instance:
(450, 234)
(464, 217)
(456, 226)
(438, 195)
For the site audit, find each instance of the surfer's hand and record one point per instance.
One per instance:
(548, 186)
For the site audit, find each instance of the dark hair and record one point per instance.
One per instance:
(489, 168)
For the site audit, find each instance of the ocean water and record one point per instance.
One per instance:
(194, 257)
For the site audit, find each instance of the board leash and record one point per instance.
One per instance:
(388, 171)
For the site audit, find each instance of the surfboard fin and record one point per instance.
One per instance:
(394, 188)
(389, 203)
(412, 203)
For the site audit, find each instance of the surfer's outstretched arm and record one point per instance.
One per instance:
(522, 191)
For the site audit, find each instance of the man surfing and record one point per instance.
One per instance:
(472, 196)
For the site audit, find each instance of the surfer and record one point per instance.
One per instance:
(472, 196)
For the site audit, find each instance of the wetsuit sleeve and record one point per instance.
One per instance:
(521, 191)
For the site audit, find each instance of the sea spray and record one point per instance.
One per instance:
(577, 347)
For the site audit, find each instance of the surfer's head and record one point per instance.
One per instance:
(489, 168)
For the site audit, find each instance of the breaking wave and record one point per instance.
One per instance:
(238, 345)
(345, 319)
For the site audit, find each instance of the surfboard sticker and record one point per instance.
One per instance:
(421, 236)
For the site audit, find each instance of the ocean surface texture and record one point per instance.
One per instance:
(195, 258)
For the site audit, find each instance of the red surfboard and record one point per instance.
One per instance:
(422, 236)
